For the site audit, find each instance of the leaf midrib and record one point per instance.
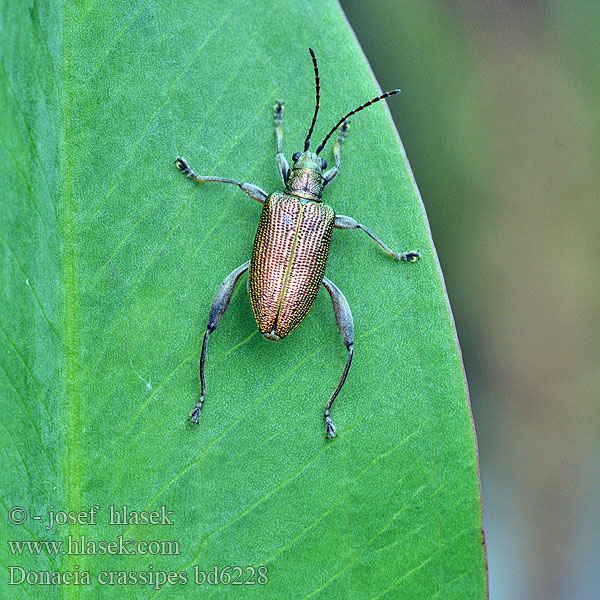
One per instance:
(71, 408)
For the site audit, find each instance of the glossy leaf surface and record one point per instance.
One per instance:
(110, 260)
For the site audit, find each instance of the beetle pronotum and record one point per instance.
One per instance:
(291, 247)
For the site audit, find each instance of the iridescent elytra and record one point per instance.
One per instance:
(291, 247)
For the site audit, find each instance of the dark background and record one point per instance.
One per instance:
(499, 115)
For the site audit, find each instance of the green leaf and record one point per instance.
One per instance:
(110, 261)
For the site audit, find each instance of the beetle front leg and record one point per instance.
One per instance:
(217, 310)
(343, 222)
(252, 190)
(345, 323)
(282, 163)
(330, 175)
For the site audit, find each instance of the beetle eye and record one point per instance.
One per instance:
(323, 163)
(296, 156)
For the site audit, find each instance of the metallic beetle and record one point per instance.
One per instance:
(291, 247)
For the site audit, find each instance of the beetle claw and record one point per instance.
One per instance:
(195, 414)
(329, 428)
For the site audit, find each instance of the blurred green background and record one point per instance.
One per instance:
(500, 118)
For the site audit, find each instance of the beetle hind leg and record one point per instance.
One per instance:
(217, 310)
(197, 410)
(345, 323)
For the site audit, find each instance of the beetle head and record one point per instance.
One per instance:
(305, 178)
(309, 160)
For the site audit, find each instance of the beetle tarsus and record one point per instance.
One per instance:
(412, 256)
(195, 414)
(343, 131)
(329, 427)
(183, 166)
(278, 109)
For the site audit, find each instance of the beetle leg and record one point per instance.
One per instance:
(343, 222)
(330, 175)
(217, 310)
(252, 190)
(282, 163)
(345, 323)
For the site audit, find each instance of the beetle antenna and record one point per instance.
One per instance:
(318, 90)
(322, 144)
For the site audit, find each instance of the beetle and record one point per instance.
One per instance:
(291, 247)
